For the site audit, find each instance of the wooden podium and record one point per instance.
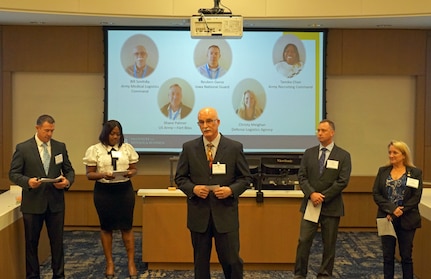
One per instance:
(268, 231)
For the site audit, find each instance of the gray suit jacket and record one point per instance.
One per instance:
(26, 163)
(193, 169)
(330, 183)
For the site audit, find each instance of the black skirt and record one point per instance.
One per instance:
(114, 203)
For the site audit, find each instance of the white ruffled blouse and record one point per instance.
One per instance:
(98, 156)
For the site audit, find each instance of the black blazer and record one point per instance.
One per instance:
(411, 218)
(330, 183)
(193, 169)
(26, 163)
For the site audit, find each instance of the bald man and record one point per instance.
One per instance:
(140, 69)
(213, 190)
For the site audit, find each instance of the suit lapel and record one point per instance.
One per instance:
(36, 154)
(201, 146)
(220, 150)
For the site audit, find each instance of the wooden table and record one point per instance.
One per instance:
(12, 243)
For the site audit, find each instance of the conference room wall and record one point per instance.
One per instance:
(64, 67)
(258, 9)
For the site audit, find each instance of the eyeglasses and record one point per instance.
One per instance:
(208, 122)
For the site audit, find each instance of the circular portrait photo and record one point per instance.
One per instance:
(139, 56)
(249, 99)
(289, 55)
(212, 58)
(176, 99)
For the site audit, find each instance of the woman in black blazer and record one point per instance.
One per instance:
(397, 192)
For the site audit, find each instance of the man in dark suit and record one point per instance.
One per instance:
(42, 201)
(212, 191)
(324, 173)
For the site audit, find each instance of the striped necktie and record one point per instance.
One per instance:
(322, 159)
(210, 154)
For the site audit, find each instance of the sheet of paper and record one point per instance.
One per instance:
(385, 227)
(312, 213)
(53, 180)
(212, 187)
(119, 175)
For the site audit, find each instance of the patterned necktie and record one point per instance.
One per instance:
(46, 158)
(322, 159)
(210, 154)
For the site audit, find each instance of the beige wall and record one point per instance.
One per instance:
(255, 9)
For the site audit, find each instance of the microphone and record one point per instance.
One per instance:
(113, 160)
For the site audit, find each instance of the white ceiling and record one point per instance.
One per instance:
(402, 22)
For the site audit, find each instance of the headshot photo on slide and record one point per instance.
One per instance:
(289, 55)
(176, 99)
(212, 58)
(249, 99)
(139, 56)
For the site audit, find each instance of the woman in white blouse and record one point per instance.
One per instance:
(111, 163)
(291, 65)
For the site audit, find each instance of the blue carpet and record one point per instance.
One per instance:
(358, 256)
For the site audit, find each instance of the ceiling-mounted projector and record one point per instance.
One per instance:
(216, 25)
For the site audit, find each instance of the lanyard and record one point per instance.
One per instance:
(135, 74)
(209, 72)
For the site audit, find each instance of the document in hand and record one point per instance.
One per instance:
(119, 175)
(385, 227)
(53, 180)
(312, 213)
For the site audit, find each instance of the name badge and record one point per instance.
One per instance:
(115, 154)
(219, 168)
(58, 159)
(412, 182)
(332, 164)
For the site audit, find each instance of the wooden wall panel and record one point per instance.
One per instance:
(384, 52)
(95, 50)
(5, 125)
(334, 52)
(51, 48)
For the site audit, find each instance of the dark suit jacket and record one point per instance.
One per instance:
(26, 163)
(411, 218)
(185, 110)
(193, 169)
(330, 183)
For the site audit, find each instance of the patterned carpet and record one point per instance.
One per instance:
(358, 256)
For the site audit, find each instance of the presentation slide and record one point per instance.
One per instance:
(268, 87)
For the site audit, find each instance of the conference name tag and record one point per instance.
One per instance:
(332, 164)
(58, 159)
(219, 168)
(115, 154)
(412, 182)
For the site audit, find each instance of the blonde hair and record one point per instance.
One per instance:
(241, 111)
(404, 149)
